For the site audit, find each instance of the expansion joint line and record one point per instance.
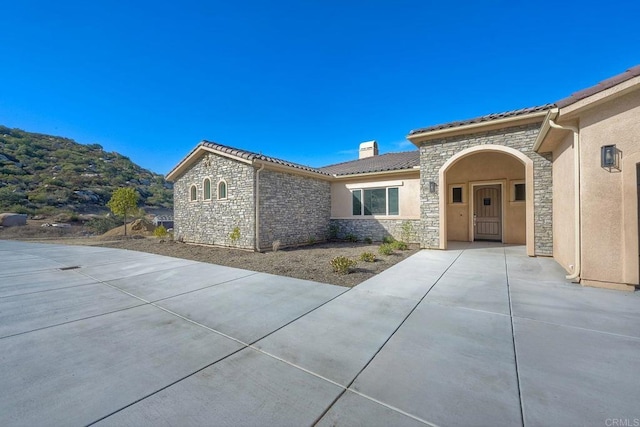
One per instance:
(379, 350)
(513, 336)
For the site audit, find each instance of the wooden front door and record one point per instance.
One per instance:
(487, 213)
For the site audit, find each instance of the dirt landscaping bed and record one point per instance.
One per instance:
(307, 262)
(311, 262)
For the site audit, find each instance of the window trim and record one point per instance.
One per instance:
(204, 189)
(193, 193)
(512, 185)
(464, 194)
(226, 190)
(362, 201)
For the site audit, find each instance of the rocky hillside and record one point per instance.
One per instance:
(44, 174)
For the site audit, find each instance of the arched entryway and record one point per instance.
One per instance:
(486, 193)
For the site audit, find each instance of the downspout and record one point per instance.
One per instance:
(575, 276)
(257, 207)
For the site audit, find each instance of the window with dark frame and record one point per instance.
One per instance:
(519, 193)
(456, 195)
(375, 201)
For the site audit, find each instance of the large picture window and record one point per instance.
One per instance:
(375, 201)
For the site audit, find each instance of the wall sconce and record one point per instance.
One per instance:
(610, 157)
(432, 187)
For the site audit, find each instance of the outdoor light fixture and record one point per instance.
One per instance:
(432, 187)
(610, 157)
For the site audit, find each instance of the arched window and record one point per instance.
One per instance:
(222, 190)
(194, 193)
(207, 189)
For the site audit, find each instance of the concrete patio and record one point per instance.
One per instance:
(477, 335)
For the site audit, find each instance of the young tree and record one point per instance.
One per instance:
(123, 201)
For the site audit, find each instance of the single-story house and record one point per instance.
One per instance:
(561, 179)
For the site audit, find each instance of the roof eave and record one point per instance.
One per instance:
(418, 138)
(370, 174)
(570, 111)
(290, 169)
(192, 157)
(545, 128)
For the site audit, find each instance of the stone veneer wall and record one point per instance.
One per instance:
(293, 209)
(434, 153)
(377, 229)
(212, 221)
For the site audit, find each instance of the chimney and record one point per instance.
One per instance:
(368, 149)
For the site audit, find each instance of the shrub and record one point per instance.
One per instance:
(342, 264)
(407, 231)
(399, 245)
(275, 245)
(160, 231)
(311, 240)
(388, 239)
(368, 257)
(385, 249)
(235, 235)
(368, 240)
(333, 231)
(351, 238)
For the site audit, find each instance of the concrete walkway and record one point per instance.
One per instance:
(477, 335)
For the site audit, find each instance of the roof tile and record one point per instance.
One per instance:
(485, 118)
(381, 163)
(603, 85)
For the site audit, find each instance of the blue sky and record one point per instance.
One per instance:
(306, 81)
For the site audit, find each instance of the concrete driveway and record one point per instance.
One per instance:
(477, 335)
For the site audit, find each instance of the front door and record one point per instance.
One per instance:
(487, 213)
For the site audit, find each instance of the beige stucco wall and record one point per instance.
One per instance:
(607, 255)
(409, 194)
(483, 167)
(563, 203)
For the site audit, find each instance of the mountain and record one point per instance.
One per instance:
(43, 174)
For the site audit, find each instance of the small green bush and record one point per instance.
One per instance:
(388, 239)
(399, 245)
(311, 240)
(368, 240)
(351, 238)
(368, 257)
(385, 249)
(235, 235)
(342, 264)
(160, 231)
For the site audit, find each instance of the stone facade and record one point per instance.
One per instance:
(213, 221)
(293, 209)
(377, 229)
(434, 153)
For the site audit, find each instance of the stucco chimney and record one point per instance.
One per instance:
(368, 149)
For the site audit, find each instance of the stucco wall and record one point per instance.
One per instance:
(486, 167)
(293, 209)
(212, 221)
(563, 203)
(408, 194)
(434, 153)
(604, 225)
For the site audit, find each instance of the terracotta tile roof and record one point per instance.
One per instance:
(381, 163)
(603, 85)
(248, 155)
(486, 118)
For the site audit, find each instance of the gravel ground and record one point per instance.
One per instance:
(306, 262)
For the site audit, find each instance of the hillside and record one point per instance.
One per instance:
(44, 174)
